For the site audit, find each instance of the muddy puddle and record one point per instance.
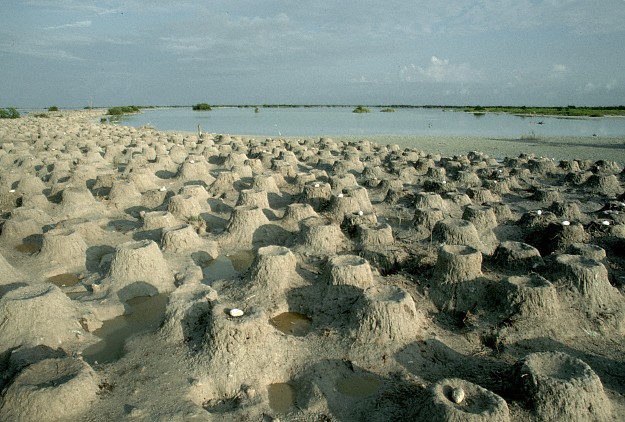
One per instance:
(358, 385)
(227, 265)
(121, 226)
(292, 323)
(281, 397)
(28, 248)
(64, 280)
(145, 313)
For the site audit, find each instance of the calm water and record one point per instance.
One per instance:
(342, 122)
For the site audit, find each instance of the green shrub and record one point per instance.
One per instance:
(361, 109)
(115, 111)
(387, 110)
(44, 115)
(9, 113)
(53, 108)
(202, 107)
(120, 111)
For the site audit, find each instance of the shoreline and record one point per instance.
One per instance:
(555, 147)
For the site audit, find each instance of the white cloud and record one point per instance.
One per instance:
(79, 24)
(440, 70)
(40, 51)
(362, 80)
(558, 71)
(590, 87)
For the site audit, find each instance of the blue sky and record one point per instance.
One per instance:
(451, 52)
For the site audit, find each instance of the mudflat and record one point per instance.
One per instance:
(150, 275)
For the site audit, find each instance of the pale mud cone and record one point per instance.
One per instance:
(65, 247)
(559, 387)
(158, 219)
(265, 183)
(375, 235)
(342, 205)
(253, 197)
(482, 195)
(443, 404)
(224, 184)
(342, 181)
(301, 179)
(456, 265)
(225, 336)
(542, 166)
(124, 194)
(531, 296)
(255, 165)
(138, 269)
(386, 314)
(502, 211)
(430, 200)
(179, 239)
(546, 195)
(453, 231)
(316, 194)
(295, 213)
(482, 217)
(468, 179)
(164, 164)
(24, 223)
(40, 314)
(455, 203)
(607, 185)
(361, 196)
(273, 272)
(243, 223)
(30, 185)
(143, 178)
(198, 192)
(513, 255)
(351, 221)
(567, 210)
(91, 230)
(51, 390)
(558, 236)
(588, 251)
(318, 236)
(586, 276)
(426, 218)
(8, 274)
(195, 169)
(184, 206)
(349, 270)
(79, 201)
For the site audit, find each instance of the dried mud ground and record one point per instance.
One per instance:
(149, 275)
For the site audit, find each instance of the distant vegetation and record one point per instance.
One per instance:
(53, 108)
(568, 111)
(387, 110)
(361, 109)
(9, 113)
(202, 107)
(120, 111)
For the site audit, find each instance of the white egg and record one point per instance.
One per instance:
(235, 312)
(457, 395)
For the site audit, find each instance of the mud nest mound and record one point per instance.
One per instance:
(559, 387)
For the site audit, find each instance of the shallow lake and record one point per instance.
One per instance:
(341, 121)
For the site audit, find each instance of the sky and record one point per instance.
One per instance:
(72, 53)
